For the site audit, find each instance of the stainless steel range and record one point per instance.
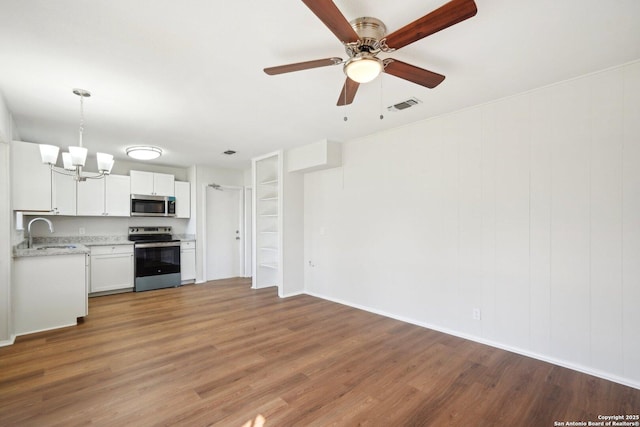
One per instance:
(157, 256)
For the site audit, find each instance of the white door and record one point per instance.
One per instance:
(224, 233)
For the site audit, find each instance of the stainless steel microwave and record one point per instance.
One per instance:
(143, 205)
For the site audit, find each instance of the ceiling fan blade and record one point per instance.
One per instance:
(299, 66)
(331, 16)
(414, 74)
(348, 92)
(445, 16)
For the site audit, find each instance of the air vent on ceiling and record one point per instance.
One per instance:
(229, 152)
(404, 104)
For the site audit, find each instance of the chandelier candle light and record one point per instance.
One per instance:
(74, 160)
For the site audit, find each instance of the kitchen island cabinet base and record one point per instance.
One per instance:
(49, 292)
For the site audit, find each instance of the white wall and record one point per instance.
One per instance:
(527, 208)
(99, 225)
(6, 135)
(6, 328)
(292, 231)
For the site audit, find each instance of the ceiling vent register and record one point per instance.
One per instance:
(404, 104)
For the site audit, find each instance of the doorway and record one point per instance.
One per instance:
(224, 253)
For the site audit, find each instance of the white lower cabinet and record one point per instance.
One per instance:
(111, 268)
(188, 262)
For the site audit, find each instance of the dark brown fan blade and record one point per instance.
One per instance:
(414, 74)
(445, 16)
(331, 16)
(299, 66)
(348, 92)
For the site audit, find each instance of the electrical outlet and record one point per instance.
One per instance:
(477, 314)
(81, 231)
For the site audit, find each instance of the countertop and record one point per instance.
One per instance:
(48, 250)
(80, 244)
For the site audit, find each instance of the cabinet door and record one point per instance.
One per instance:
(63, 195)
(30, 178)
(163, 184)
(117, 196)
(188, 264)
(141, 182)
(183, 199)
(111, 272)
(91, 197)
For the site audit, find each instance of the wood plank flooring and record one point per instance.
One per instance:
(223, 354)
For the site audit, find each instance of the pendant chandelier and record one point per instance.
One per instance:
(73, 161)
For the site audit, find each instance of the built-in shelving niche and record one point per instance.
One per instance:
(267, 220)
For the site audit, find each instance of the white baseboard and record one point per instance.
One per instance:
(545, 358)
(8, 342)
(292, 294)
(35, 331)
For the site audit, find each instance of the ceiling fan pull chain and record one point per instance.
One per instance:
(345, 104)
(381, 115)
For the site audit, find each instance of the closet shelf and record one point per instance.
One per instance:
(264, 199)
(273, 265)
(269, 248)
(269, 181)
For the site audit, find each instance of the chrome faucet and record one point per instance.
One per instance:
(30, 241)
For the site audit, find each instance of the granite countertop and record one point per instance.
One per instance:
(69, 245)
(49, 250)
(83, 240)
(66, 245)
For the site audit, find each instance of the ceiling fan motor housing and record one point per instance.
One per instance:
(371, 31)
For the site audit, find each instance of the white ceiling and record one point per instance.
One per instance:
(187, 75)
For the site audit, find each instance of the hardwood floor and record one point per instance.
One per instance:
(223, 354)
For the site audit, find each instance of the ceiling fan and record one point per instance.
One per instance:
(364, 38)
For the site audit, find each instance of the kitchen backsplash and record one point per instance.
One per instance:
(97, 226)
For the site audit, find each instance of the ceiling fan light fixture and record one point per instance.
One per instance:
(144, 152)
(363, 69)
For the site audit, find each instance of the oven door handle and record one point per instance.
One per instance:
(157, 245)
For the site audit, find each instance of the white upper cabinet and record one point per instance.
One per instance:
(63, 194)
(117, 195)
(141, 182)
(100, 197)
(30, 178)
(91, 197)
(163, 184)
(151, 183)
(183, 199)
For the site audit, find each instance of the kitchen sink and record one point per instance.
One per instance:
(57, 247)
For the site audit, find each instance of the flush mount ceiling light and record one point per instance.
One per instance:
(74, 160)
(363, 68)
(144, 152)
